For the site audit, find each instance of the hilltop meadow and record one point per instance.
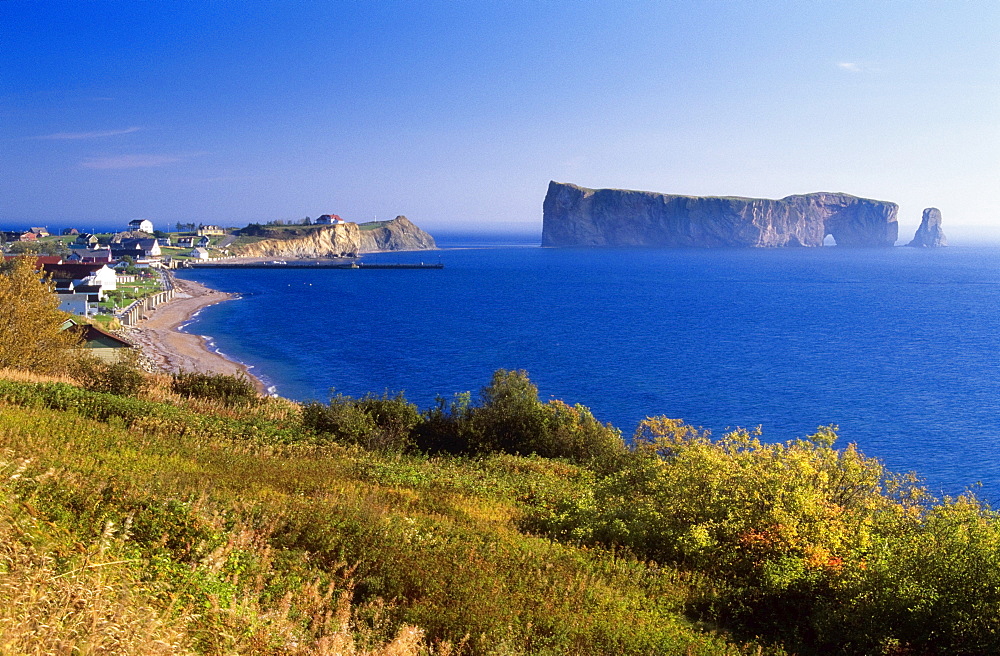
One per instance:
(185, 514)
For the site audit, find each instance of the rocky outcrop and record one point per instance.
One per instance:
(400, 234)
(576, 216)
(929, 234)
(344, 240)
(326, 241)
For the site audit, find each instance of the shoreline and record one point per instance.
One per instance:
(160, 339)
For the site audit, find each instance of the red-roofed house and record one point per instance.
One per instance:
(40, 260)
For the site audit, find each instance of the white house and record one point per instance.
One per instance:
(199, 253)
(75, 304)
(145, 225)
(106, 277)
(329, 219)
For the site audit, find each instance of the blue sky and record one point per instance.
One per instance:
(458, 114)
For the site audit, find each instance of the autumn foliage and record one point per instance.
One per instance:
(30, 320)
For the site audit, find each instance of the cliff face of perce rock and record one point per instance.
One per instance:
(344, 240)
(577, 216)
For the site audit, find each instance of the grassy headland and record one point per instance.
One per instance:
(138, 523)
(197, 518)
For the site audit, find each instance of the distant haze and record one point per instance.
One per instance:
(457, 114)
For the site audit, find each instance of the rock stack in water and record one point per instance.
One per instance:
(929, 234)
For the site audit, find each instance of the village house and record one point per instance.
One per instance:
(86, 240)
(100, 255)
(42, 260)
(75, 303)
(137, 249)
(185, 242)
(99, 343)
(199, 253)
(39, 232)
(210, 230)
(79, 278)
(329, 219)
(142, 225)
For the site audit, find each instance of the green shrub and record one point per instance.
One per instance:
(447, 427)
(378, 423)
(819, 548)
(511, 419)
(124, 377)
(225, 388)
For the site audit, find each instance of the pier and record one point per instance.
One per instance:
(311, 265)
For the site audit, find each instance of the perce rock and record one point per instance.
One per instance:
(929, 234)
(576, 216)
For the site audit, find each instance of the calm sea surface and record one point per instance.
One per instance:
(900, 347)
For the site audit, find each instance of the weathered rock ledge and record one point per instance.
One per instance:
(344, 240)
(577, 216)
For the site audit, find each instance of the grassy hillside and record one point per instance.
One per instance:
(165, 525)
(195, 518)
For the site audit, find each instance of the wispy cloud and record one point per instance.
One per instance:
(129, 161)
(858, 67)
(97, 134)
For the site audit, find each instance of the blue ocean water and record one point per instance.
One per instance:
(899, 347)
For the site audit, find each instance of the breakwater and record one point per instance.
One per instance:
(136, 312)
(312, 265)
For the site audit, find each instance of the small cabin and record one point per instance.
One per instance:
(99, 343)
(329, 219)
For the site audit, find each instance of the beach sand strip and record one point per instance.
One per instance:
(161, 341)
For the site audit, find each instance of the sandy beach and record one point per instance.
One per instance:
(172, 350)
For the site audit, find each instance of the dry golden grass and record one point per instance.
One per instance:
(94, 602)
(266, 408)
(20, 376)
(93, 606)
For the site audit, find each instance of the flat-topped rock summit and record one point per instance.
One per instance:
(577, 216)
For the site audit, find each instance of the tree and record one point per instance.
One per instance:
(31, 337)
(25, 248)
(511, 419)
(53, 247)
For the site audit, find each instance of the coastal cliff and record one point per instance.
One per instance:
(577, 216)
(343, 240)
(400, 234)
